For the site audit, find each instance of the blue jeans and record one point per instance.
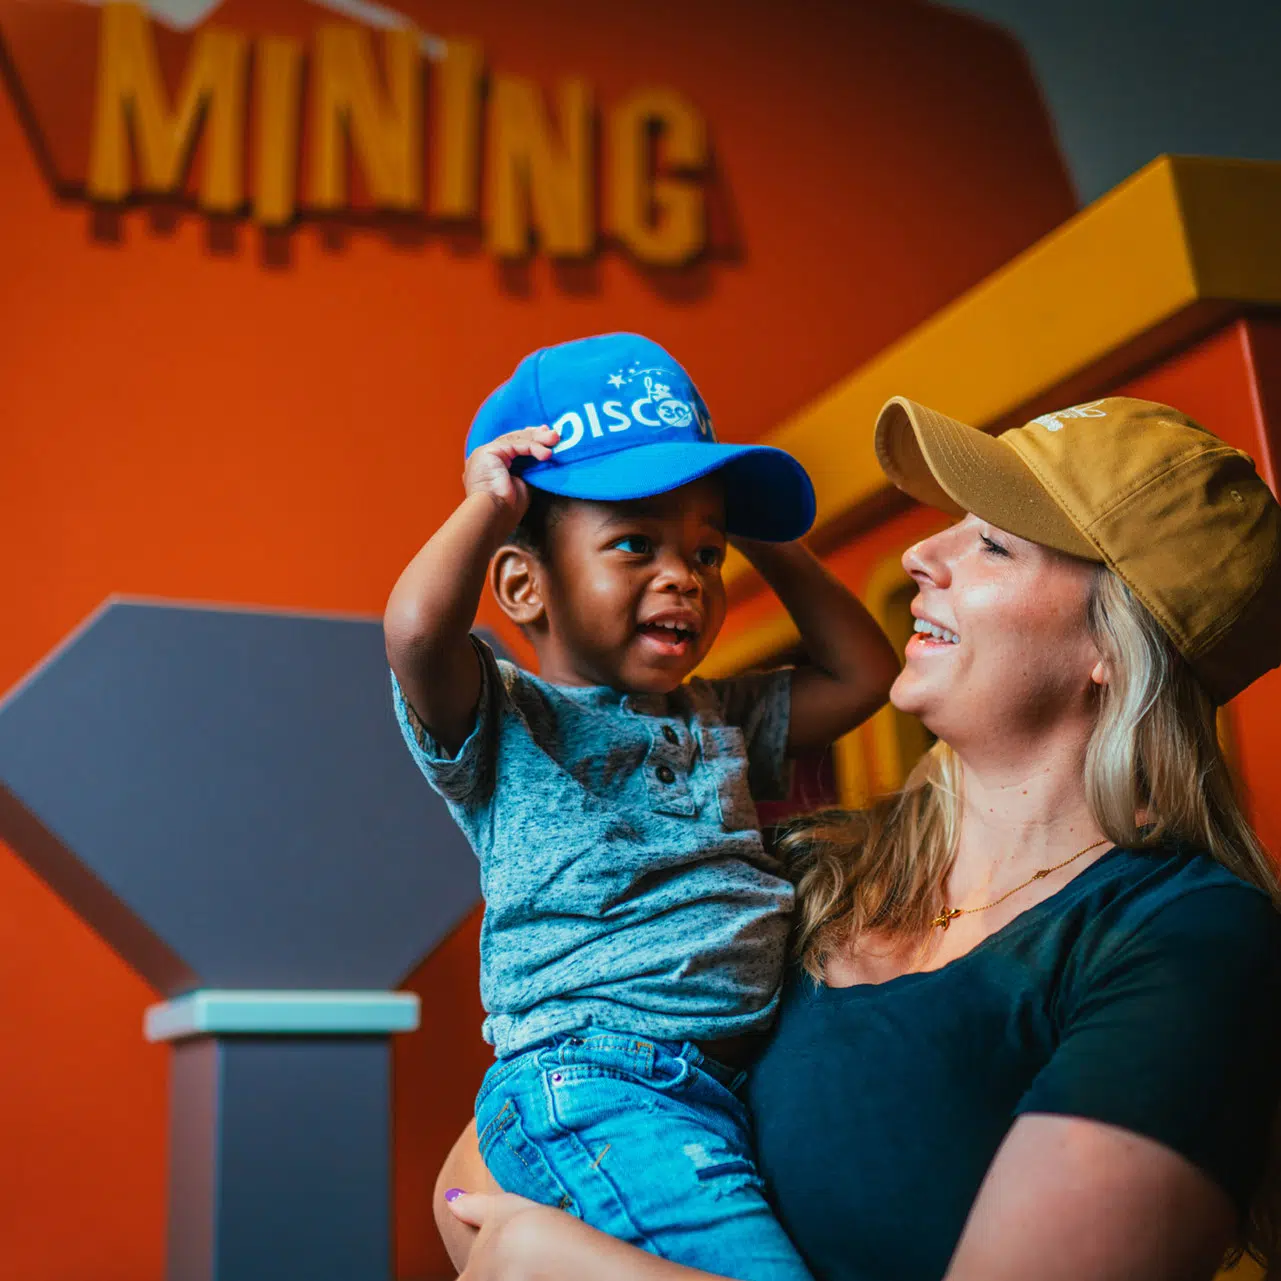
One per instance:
(643, 1139)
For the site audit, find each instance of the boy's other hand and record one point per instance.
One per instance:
(488, 470)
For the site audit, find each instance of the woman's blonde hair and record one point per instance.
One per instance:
(1155, 773)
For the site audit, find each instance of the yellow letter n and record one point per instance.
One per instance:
(131, 92)
(527, 170)
(386, 132)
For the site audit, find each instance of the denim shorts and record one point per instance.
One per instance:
(646, 1140)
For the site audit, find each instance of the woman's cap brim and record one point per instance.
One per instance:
(958, 469)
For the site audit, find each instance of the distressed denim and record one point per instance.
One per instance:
(646, 1140)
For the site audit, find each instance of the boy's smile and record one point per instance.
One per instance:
(632, 591)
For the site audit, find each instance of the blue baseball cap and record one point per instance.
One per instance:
(632, 424)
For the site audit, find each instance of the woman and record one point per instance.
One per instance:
(1036, 1027)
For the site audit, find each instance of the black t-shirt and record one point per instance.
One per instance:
(1146, 993)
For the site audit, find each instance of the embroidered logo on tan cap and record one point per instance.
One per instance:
(1053, 422)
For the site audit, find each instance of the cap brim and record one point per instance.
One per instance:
(768, 494)
(959, 469)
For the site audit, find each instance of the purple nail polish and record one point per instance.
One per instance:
(453, 1194)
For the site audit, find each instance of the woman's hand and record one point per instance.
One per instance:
(516, 1239)
(519, 1240)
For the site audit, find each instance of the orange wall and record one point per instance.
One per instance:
(184, 418)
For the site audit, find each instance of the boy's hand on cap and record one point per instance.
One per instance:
(488, 470)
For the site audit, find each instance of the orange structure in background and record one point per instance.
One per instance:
(203, 409)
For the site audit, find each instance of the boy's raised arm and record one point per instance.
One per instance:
(433, 605)
(851, 661)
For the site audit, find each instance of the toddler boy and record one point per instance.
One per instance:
(635, 927)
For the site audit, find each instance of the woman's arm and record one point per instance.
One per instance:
(1067, 1199)
(463, 1168)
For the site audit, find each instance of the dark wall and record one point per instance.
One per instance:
(1127, 80)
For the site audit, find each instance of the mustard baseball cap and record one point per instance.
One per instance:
(1183, 519)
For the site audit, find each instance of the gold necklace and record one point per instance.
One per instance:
(949, 914)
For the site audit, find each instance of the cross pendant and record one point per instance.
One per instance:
(946, 917)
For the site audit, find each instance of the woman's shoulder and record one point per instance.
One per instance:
(1161, 880)
(1178, 905)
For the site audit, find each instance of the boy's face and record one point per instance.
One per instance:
(632, 591)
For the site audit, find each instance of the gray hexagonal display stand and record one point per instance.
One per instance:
(224, 796)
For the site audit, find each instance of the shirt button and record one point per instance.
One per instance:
(665, 774)
(670, 734)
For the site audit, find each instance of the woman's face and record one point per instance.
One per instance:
(1017, 659)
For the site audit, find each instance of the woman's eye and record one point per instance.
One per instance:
(995, 548)
(636, 544)
(710, 556)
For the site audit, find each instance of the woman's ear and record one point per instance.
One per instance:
(1099, 674)
(514, 580)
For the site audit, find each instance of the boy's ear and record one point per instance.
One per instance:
(514, 580)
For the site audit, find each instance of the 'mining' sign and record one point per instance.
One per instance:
(355, 121)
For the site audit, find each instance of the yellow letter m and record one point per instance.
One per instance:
(131, 98)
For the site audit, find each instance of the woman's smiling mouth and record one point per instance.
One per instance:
(930, 637)
(933, 631)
